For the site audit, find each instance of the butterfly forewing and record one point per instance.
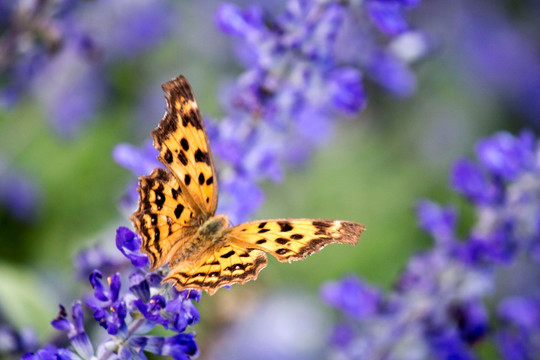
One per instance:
(183, 147)
(163, 219)
(294, 239)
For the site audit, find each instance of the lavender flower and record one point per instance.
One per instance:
(16, 343)
(501, 54)
(43, 39)
(518, 337)
(436, 309)
(128, 314)
(301, 74)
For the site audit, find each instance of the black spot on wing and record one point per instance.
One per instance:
(202, 156)
(285, 226)
(228, 255)
(321, 226)
(160, 199)
(235, 267)
(183, 158)
(178, 211)
(185, 144)
(168, 156)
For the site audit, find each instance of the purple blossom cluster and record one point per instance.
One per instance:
(304, 68)
(438, 307)
(127, 314)
(60, 52)
(502, 54)
(14, 343)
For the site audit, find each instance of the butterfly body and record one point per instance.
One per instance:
(210, 234)
(212, 229)
(176, 213)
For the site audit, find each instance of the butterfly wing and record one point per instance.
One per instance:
(218, 267)
(243, 256)
(294, 239)
(164, 219)
(183, 147)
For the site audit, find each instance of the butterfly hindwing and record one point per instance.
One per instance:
(294, 239)
(163, 217)
(219, 267)
(183, 146)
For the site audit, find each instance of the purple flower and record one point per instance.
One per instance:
(518, 339)
(439, 222)
(75, 330)
(522, 312)
(50, 352)
(471, 319)
(388, 16)
(151, 310)
(140, 161)
(43, 39)
(179, 347)
(233, 21)
(469, 180)
(353, 297)
(502, 55)
(128, 313)
(346, 90)
(16, 343)
(505, 155)
(139, 286)
(129, 245)
(296, 82)
(390, 72)
(109, 309)
(437, 303)
(446, 344)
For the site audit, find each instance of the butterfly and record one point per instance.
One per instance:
(176, 213)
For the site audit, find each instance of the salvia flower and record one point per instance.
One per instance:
(81, 40)
(16, 343)
(75, 330)
(437, 307)
(305, 67)
(127, 306)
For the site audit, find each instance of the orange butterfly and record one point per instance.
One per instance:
(176, 214)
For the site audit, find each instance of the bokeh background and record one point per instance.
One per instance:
(64, 113)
